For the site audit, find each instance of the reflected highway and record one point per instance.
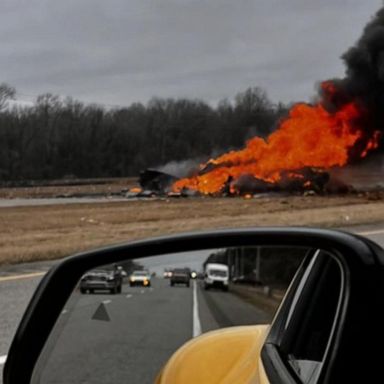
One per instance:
(104, 338)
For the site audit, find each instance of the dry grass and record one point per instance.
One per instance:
(105, 187)
(48, 232)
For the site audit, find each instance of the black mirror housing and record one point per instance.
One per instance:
(357, 255)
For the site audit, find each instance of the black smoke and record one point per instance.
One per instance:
(365, 65)
(364, 81)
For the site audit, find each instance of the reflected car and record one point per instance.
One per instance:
(167, 274)
(216, 275)
(141, 278)
(180, 276)
(123, 273)
(101, 280)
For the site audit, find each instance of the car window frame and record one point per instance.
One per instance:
(277, 367)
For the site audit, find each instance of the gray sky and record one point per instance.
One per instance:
(193, 260)
(119, 51)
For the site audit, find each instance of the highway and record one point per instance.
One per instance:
(128, 330)
(139, 328)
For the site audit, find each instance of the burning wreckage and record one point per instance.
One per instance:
(342, 128)
(155, 183)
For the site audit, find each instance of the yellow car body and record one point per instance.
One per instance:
(225, 356)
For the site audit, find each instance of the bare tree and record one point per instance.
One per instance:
(54, 137)
(6, 93)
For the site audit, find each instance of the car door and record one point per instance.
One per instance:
(314, 337)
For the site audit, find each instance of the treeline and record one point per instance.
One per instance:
(59, 138)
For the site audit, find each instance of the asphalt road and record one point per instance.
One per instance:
(17, 284)
(104, 338)
(139, 328)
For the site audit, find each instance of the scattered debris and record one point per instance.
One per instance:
(157, 181)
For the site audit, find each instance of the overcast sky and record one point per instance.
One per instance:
(193, 260)
(121, 51)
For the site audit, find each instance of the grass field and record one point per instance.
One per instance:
(48, 232)
(69, 188)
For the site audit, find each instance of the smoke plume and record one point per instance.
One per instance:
(364, 80)
(342, 128)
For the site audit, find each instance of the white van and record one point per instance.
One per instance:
(216, 275)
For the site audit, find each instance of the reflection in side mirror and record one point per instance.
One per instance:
(127, 326)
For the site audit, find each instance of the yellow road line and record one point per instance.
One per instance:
(370, 233)
(19, 277)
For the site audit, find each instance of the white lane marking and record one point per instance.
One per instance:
(196, 329)
(142, 291)
(2, 359)
(64, 311)
(24, 276)
(369, 233)
(106, 301)
(128, 296)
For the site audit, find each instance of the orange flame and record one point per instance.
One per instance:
(310, 136)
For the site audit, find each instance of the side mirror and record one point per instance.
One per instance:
(84, 324)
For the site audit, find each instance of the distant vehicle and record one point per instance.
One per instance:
(200, 275)
(119, 270)
(123, 273)
(101, 280)
(193, 275)
(180, 276)
(167, 274)
(142, 278)
(216, 275)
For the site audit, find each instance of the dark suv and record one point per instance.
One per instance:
(100, 279)
(180, 276)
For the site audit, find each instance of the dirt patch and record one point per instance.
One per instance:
(48, 232)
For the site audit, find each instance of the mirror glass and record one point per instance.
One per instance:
(124, 321)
